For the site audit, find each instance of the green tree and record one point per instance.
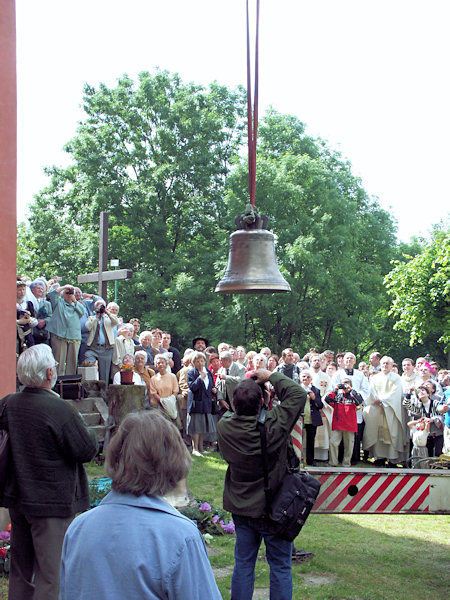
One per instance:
(155, 154)
(334, 242)
(419, 288)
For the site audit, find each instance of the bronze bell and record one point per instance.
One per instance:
(252, 262)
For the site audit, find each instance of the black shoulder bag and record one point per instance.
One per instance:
(287, 507)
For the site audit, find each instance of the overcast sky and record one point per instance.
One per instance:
(370, 77)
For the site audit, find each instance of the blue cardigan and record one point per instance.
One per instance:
(199, 398)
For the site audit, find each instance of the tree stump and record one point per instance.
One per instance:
(124, 399)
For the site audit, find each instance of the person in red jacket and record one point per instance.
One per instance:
(345, 402)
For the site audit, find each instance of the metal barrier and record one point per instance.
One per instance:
(382, 491)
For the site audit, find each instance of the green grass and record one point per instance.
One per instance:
(372, 557)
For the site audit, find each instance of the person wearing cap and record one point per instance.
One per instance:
(200, 344)
(100, 342)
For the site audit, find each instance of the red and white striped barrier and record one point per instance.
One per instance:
(389, 491)
(297, 438)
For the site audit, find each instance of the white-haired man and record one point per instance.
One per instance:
(46, 484)
(100, 342)
(228, 376)
(385, 432)
(266, 351)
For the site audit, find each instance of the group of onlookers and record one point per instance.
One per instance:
(368, 412)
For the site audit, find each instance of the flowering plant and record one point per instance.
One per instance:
(126, 367)
(208, 519)
(5, 537)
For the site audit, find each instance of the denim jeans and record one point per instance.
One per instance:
(249, 534)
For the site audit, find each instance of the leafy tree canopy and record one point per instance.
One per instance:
(164, 158)
(419, 289)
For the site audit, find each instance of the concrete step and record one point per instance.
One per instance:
(83, 405)
(102, 408)
(99, 431)
(87, 405)
(93, 418)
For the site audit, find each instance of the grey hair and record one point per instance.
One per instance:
(226, 354)
(196, 354)
(161, 357)
(141, 353)
(33, 364)
(259, 357)
(130, 355)
(128, 326)
(143, 334)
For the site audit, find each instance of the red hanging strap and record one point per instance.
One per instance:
(252, 119)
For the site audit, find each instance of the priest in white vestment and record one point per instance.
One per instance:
(385, 431)
(323, 433)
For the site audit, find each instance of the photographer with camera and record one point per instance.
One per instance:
(100, 342)
(64, 327)
(345, 401)
(244, 496)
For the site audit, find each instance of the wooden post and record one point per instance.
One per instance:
(8, 178)
(103, 276)
(103, 254)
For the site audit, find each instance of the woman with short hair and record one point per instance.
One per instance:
(42, 311)
(144, 372)
(161, 552)
(164, 388)
(201, 389)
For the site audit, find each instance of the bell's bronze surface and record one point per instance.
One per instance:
(252, 265)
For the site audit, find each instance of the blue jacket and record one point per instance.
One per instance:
(135, 547)
(199, 398)
(65, 321)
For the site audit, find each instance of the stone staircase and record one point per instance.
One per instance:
(93, 408)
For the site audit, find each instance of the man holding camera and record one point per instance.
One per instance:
(244, 497)
(64, 327)
(100, 342)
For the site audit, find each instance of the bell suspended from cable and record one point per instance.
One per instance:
(252, 262)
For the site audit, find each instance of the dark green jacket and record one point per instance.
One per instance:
(49, 443)
(240, 445)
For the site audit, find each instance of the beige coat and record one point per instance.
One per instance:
(109, 322)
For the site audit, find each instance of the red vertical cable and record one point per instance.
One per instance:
(251, 178)
(252, 120)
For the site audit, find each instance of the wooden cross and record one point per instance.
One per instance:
(103, 276)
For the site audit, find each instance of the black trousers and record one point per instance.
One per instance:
(310, 437)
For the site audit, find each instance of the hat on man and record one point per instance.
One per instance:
(195, 340)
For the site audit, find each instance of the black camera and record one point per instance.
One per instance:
(342, 386)
(70, 291)
(101, 309)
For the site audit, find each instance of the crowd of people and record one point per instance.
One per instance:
(211, 396)
(369, 412)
